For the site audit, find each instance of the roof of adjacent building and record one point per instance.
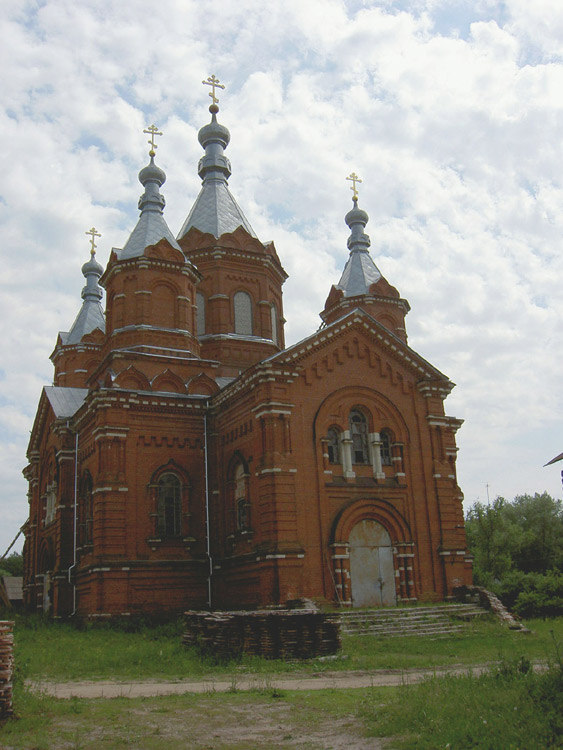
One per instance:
(13, 586)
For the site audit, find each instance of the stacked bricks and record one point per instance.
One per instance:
(279, 634)
(6, 668)
(492, 602)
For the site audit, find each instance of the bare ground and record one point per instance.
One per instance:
(324, 681)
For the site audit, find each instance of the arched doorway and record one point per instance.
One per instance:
(372, 571)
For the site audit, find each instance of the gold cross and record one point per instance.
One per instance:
(152, 130)
(214, 83)
(93, 233)
(354, 178)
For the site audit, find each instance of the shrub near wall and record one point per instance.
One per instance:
(6, 668)
(532, 594)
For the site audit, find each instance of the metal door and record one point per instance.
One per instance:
(371, 566)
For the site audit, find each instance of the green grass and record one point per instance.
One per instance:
(483, 641)
(506, 709)
(57, 651)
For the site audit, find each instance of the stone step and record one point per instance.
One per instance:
(403, 629)
(386, 632)
(407, 611)
(433, 621)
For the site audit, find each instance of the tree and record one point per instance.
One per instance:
(12, 565)
(539, 546)
(525, 534)
(488, 538)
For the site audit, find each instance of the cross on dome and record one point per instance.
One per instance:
(215, 84)
(152, 130)
(354, 179)
(93, 233)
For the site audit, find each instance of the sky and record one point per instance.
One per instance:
(450, 111)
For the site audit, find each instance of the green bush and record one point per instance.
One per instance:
(532, 594)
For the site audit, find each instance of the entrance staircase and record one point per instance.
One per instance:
(433, 621)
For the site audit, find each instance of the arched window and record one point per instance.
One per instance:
(385, 447)
(200, 320)
(333, 447)
(243, 313)
(242, 504)
(274, 318)
(359, 436)
(169, 506)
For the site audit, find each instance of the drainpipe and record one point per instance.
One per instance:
(208, 530)
(75, 525)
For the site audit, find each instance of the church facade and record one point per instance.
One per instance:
(185, 458)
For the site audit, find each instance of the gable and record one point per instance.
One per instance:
(358, 336)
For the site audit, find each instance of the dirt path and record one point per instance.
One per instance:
(340, 680)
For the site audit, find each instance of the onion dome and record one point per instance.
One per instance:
(151, 227)
(360, 272)
(91, 315)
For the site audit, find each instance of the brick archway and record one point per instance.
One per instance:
(394, 524)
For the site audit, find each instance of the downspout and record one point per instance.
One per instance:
(208, 529)
(75, 525)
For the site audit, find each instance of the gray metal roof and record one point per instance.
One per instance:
(360, 272)
(65, 401)
(215, 210)
(91, 315)
(151, 227)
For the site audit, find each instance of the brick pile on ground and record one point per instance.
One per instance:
(277, 634)
(490, 601)
(6, 668)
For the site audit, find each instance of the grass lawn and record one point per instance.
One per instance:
(57, 651)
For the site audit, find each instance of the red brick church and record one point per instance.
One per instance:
(185, 458)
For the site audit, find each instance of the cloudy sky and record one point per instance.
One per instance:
(451, 111)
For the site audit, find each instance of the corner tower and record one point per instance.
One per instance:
(78, 352)
(151, 298)
(239, 298)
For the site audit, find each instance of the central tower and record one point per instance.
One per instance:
(239, 297)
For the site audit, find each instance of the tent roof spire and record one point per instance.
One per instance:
(151, 227)
(215, 210)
